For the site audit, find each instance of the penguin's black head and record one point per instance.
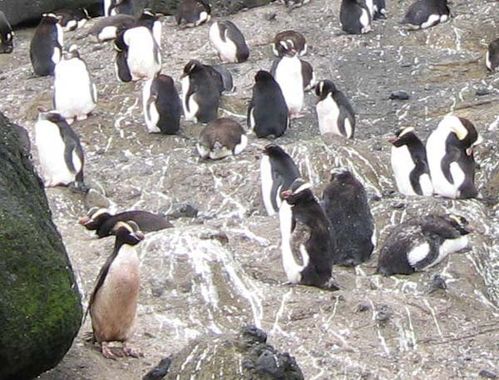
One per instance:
(52, 116)
(192, 67)
(464, 130)
(323, 88)
(148, 14)
(49, 18)
(128, 233)
(459, 223)
(274, 150)
(402, 137)
(341, 175)
(263, 76)
(95, 218)
(299, 191)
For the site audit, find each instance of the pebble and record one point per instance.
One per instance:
(399, 95)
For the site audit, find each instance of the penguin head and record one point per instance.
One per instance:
(341, 175)
(192, 66)
(459, 223)
(95, 218)
(274, 150)
(72, 53)
(128, 233)
(263, 76)
(299, 191)
(52, 116)
(50, 18)
(323, 88)
(402, 137)
(464, 130)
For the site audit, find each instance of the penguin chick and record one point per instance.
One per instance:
(113, 302)
(426, 13)
(193, 12)
(221, 138)
(421, 243)
(229, 42)
(307, 234)
(103, 222)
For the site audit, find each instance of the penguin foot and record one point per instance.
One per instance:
(296, 115)
(81, 117)
(107, 352)
(130, 352)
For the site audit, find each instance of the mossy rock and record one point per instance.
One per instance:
(40, 308)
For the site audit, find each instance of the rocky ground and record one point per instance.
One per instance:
(221, 270)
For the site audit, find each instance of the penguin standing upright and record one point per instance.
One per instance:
(277, 172)
(59, 151)
(449, 149)
(334, 111)
(229, 42)
(6, 35)
(426, 13)
(289, 39)
(193, 12)
(221, 138)
(345, 202)
(200, 92)
(72, 19)
(161, 104)
(421, 243)
(75, 94)
(138, 50)
(409, 163)
(102, 221)
(267, 111)
(492, 56)
(151, 21)
(287, 71)
(306, 233)
(46, 45)
(355, 17)
(113, 302)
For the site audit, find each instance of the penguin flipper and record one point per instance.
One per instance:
(223, 30)
(273, 69)
(452, 155)
(101, 278)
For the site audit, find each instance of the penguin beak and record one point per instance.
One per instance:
(84, 220)
(469, 151)
(286, 194)
(139, 235)
(392, 139)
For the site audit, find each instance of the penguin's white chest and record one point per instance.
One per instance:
(267, 184)
(189, 103)
(328, 114)
(143, 60)
(288, 75)
(151, 114)
(227, 49)
(291, 267)
(403, 165)
(51, 155)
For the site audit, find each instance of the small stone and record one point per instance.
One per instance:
(160, 371)
(482, 92)
(437, 282)
(399, 95)
(184, 210)
(270, 16)
(383, 314)
(361, 307)
(487, 374)
(93, 198)
(398, 206)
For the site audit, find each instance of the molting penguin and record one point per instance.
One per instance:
(449, 149)
(200, 92)
(355, 17)
(113, 303)
(306, 233)
(107, 28)
(103, 222)
(287, 71)
(289, 39)
(72, 19)
(193, 12)
(426, 13)
(6, 35)
(161, 104)
(138, 51)
(492, 56)
(59, 151)
(75, 95)
(229, 42)
(345, 202)
(409, 163)
(46, 45)
(334, 111)
(421, 243)
(221, 138)
(277, 172)
(267, 111)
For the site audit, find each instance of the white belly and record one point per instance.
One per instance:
(433, 19)
(291, 267)
(151, 114)
(288, 75)
(141, 54)
(226, 49)
(266, 181)
(190, 114)
(328, 113)
(402, 165)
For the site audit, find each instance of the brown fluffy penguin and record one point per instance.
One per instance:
(113, 303)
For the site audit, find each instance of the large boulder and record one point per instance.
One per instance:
(40, 309)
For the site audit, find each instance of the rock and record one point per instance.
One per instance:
(223, 354)
(482, 91)
(159, 372)
(485, 373)
(39, 302)
(183, 211)
(399, 95)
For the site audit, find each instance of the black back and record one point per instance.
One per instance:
(493, 53)
(122, 69)
(6, 35)
(350, 13)
(42, 46)
(380, 8)
(307, 73)
(227, 82)
(165, 96)
(224, 131)
(269, 108)
(420, 10)
(236, 36)
(345, 202)
(189, 10)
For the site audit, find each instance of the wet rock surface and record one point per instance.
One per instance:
(220, 267)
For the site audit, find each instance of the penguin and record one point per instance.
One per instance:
(421, 243)
(151, 21)
(226, 77)
(379, 7)
(201, 90)
(221, 138)
(106, 28)
(138, 51)
(307, 234)
(449, 150)
(193, 12)
(426, 13)
(308, 75)
(334, 111)
(277, 172)
(103, 222)
(161, 104)
(355, 17)
(72, 19)
(345, 203)
(126, 7)
(288, 72)
(267, 110)
(6, 35)
(409, 163)
(75, 94)
(229, 42)
(59, 151)
(113, 302)
(492, 56)
(289, 39)
(108, 5)
(46, 45)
